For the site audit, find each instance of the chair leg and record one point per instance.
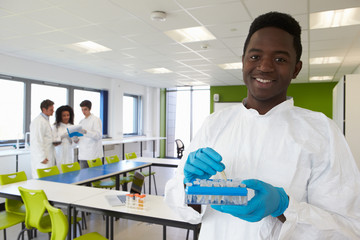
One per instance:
(155, 184)
(83, 220)
(23, 227)
(187, 234)
(80, 231)
(22, 232)
(4, 233)
(144, 187)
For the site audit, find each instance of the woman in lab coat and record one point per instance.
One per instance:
(65, 151)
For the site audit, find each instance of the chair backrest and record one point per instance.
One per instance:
(112, 159)
(11, 205)
(59, 223)
(45, 172)
(131, 155)
(34, 203)
(180, 148)
(70, 167)
(95, 162)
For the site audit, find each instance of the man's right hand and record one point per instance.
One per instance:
(202, 164)
(45, 161)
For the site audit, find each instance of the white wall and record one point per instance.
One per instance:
(38, 71)
(352, 114)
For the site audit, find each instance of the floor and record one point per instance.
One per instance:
(125, 229)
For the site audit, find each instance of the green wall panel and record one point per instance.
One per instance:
(162, 121)
(313, 96)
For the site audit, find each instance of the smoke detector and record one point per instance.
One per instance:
(158, 16)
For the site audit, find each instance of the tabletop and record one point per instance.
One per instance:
(96, 173)
(57, 192)
(164, 162)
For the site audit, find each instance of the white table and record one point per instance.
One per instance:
(159, 162)
(123, 141)
(156, 212)
(14, 152)
(58, 193)
(93, 199)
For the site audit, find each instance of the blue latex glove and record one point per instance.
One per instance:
(202, 164)
(268, 200)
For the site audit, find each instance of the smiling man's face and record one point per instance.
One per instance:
(269, 65)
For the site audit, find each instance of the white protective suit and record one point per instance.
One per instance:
(64, 151)
(41, 144)
(90, 145)
(297, 149)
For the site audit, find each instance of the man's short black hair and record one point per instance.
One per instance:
(278, 20)
(46, 104)
(86, 103)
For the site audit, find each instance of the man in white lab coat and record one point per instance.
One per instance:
(90, 145)
(42, 149)
(306, 182)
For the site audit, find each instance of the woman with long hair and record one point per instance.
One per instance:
(65, 151)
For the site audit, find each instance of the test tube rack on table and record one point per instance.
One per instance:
(136, 201)
(216, 192)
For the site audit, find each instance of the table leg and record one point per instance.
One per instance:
(149, 179)
(107, 226)
(103, 158)
(69, 220)
(74, 223)
(164, 232)
(17, 163)
(117, 182)
(140, 148)
(111, 228)
(153, 148)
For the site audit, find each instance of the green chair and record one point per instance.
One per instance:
(54, 170)
(11, 205)
(70, 167)
(100, 184)
(14, 210)
(132, 155)
(123, 180)
(60, 226)
(46, 172)
(35, 217)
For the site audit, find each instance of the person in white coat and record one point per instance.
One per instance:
(90, 145)
(64, 118)
(305, 180)
(42, 152)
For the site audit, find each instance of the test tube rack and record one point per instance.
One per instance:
(136, 201)
(216, 192)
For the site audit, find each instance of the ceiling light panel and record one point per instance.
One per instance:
(158, 70)
(335, 18)
(325, 60)
(229, 66)
(194, 34)
(321, 78)
(89, 47)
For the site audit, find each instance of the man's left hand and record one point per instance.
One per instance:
(268, 200)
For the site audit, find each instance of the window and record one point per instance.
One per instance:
(81, 95)
(41, 92)
(12, 107)
(21, 99)
(132, 115)
(186, 110)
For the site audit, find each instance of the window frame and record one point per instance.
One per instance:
(139, 115)
(70, 101)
